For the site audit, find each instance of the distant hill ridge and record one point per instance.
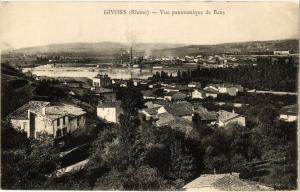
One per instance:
(243, 47)
(165, 48)
(95, 47)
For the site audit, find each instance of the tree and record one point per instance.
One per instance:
(13, 138)
(141, 178)
(30, 167)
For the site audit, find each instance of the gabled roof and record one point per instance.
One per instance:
(52, 110)
(151, 111)
(225, 116)
(224, 182)
(171, 93)
(22, 112)
(178, 96)
(56, 111)
(210, 90)
(151, 104)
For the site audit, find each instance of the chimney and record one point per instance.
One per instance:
(28, 114)
(131, 60)
(44, 111)
(235, 174)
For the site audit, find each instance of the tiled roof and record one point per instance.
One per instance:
(52, 110)
(148, 93)
(164, 119)
(181, 124)
(151, 104)
(57, 111)
(179, 108)
(204, 180)
(22, 112)
(226, 116)
(179, 95)
(171, 93)
(182, 87)
(206, 115)
(210, 90)
(161, 102)
(151, 111)
(224, 182)
(109, 104)
(234, 183)
(289, 110)
(176, 95)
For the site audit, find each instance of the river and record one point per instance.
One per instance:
(92, 71)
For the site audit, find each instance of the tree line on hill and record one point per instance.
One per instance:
(277, 74)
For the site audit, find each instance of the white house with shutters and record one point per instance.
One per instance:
(56, 119)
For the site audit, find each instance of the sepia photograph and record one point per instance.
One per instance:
(149, 96)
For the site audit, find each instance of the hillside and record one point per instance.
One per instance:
(101, 47)
(15, 89)
(164, 48)
(254, 47)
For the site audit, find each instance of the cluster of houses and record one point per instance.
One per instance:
(179, 115)
(212, 59)
(193, 90)
(60, 119)
(165, 104)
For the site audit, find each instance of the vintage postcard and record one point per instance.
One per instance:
(159, 96)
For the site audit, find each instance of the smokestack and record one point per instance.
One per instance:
(122, 57)
(131, 60)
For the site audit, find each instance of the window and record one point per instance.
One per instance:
(78, 119)
(64, 131)
(25, 125)
(58, 133)
(64, 120)
(58, 122)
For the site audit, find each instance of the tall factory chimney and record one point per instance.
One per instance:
(131, 59)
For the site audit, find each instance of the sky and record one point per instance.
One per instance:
(27, 24)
